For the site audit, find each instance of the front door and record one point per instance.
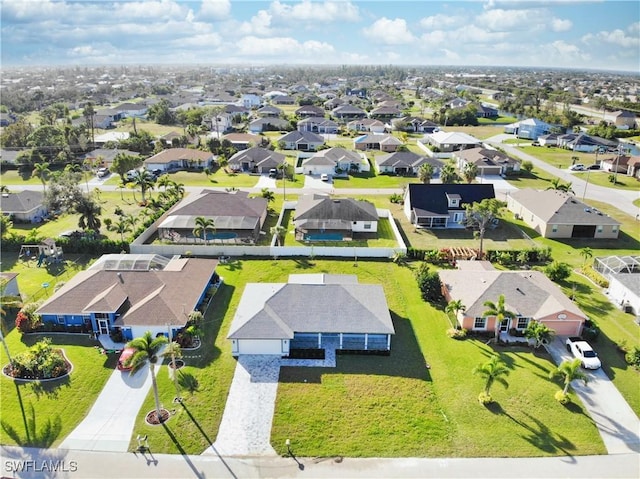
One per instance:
(504, 325)
(103, 326)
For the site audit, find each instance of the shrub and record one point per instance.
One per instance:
(594, 276)
(484, 398)
(40, 361)
(457, 333)
(633, 357)
(27, 320)
(562, 398)
(429, 283)
(558, 271)
(395, 198)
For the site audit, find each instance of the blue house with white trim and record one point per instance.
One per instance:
(133, 293)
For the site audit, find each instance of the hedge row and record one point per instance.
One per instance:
(524, 256)
(70, 245)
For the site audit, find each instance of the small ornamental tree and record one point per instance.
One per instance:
(429, 283)
(539, 332)
(558, 271)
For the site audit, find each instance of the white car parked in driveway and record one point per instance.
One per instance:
(583, 351)
(577, 167)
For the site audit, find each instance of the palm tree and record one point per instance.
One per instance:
(569, 370)
(587, 254)
(145, 181)
(147, 349)
(268, 195)
(123, 226)
(425, 173)
(448, 174)
(558, 185)
(493, 371)
(278, 232)
(469, 172)
(499, 311)
(202, 226)
(89, 212)
(4, 189)
(454, 307)
(176, 190)
(174, 351)
(42, 171)
(165, 182)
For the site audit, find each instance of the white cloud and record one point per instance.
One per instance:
(560, 25)
(389, 32)
(214, 9)
(440, 21)
(281, 46)
(567, 52)
(260, 24)
(149, 11)
(508, 20)
(308, 11)
(37, 9)
(615, 37)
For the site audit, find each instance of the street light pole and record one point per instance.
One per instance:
(584, 193)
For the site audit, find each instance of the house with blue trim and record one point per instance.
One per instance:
(132, 293)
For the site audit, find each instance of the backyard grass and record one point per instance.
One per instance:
(385, 236)
(497, 121)
(56, 406)
(481, 132)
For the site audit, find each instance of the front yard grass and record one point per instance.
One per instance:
(560, 157)
(60, 404)
(601, 178)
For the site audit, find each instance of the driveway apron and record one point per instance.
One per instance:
(618, 425)
(245, 429)
(109, 424)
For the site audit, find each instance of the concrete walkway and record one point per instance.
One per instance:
(109, 424)
(245, 428)
(266, 182)
(618, 425)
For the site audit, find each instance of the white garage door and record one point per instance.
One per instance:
(260, 346)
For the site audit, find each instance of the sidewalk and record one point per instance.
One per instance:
(38, 463)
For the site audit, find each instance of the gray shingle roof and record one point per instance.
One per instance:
(20, 202)
(277, 310)
(556, 207)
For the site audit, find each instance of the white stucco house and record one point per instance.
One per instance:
(311, 311)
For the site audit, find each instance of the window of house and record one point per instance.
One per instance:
(480, 323)
(367, 226)
(60, 319)
(600, 229)
(102, 315)
(554, 228)
(614, 229)
(523, 323)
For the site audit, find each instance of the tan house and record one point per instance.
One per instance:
(555, 214)
(387, 143)
(489, 162)
(528, 294)
(178, 159)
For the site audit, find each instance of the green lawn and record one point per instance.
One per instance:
(481, 132)
(57, 407)
(498, 121)
(601, 178)
(12, 177)
(560, 157)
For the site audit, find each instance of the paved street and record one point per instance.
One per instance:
(105, 465)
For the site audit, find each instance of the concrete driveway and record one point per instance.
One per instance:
(245, 429)
(109, 424)
(618, 425)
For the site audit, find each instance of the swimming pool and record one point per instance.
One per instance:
(223, 235)
(323, 237)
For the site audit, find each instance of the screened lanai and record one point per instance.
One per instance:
(610, 265)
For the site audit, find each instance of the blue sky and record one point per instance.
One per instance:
(559, 33)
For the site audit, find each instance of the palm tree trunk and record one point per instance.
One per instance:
(566, 386)
(155, 389)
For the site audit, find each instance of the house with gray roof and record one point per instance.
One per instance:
(104, 156)
(236, 218)
(322, 218)
(24, 206)
(367, 124)
(311, 312)
(334, 161)
(377, 142)
(255, 160)
(268, 124)
(529, 294)
(179, 159)
(448, 141)
(488, 161)
(555, 214)
(318, 125)
(301, 141)
(405, 163)
(132, 293)
(348, 112)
